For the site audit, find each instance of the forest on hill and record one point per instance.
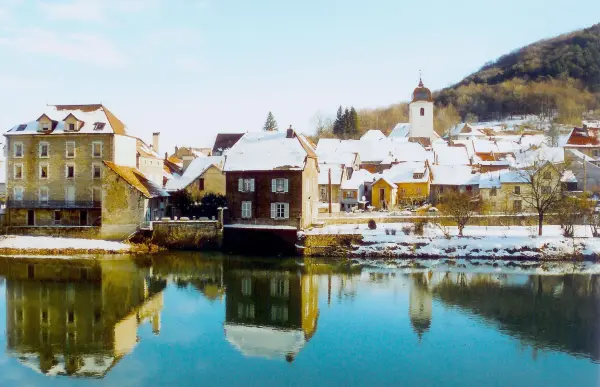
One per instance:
(557, 79)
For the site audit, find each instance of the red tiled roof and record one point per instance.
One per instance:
(584, 137)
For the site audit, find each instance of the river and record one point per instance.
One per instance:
(188, 319)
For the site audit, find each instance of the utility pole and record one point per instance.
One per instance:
(329, 190)
(584, 175)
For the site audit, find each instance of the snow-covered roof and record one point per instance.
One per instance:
(402, 129)
(385, 149)
(358, 178)
(265, 342)
(337, 172)
(196, 168)
(373, 134)
(265, 151)
(454, 175)
(94, 118)
(404, 172)
(92, 365)
(450, 155)
(580, 155)
(146, 150)
(489, 180)
(568, 177)
(388, 181)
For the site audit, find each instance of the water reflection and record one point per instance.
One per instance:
(77, 318)
(270, 313)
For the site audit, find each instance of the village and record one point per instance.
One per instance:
(75, 172)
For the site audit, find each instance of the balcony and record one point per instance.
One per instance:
(53, 204)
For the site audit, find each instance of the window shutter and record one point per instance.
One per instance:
(285, 185)
(286, 210)
(251, 185)
(273, 210)
(273, 185)
(249, 209)
(241, 185)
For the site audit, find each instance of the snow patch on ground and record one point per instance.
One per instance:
(22, 242)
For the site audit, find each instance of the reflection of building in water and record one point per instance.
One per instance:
(419, 306)
(77, 318)
(270, 314)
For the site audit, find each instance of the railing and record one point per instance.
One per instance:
(53, 204)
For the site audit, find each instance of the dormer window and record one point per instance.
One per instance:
(71, 126)
(45, 126)
(417, 175)
(21, 127)
(99, 125)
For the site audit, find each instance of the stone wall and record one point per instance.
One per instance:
(187, 235)
(54, 231)
(327, 245)
(496, 220)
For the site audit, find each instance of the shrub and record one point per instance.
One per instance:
(393, 231)
(419, 226)
(371, 224)
(387, 231)
(406, 230)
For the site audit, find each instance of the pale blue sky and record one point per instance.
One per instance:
(192, 68)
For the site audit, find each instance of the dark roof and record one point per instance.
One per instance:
(225, 141)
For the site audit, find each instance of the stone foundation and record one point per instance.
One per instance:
(187, 235)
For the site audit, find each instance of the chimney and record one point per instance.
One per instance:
(155, 136)
(187, 160)
(166, 155)
(290, 133)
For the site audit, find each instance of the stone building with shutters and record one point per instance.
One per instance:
(55, 165)
(272, 181)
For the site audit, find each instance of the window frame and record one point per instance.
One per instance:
(15, 165)
(41, 165)
(280, 185)
(246, 209)
(101, 144)
(284, 210)
(47, 194)
(246, 184)
(99, 168)
(67, 143)
(47, 145)
(517, 190)
(67, 165)
(15, 190)
(18, 144)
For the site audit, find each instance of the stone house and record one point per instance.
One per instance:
(272, 180)
(55, 165)
(458, 178)
(203, 175)
(134, 201)
(149, 161)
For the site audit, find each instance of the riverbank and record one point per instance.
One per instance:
(398, 240)
(43, 245)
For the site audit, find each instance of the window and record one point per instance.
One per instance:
(70, 171)
(279, 185)
(279, 313)
(546, 190)
(70, 149)
(71, 316)
(417, 175)
(246, 185)
(245, 311)
(45, 126)
(280, 287)
(97, 149)
(280, 210)
(96, 194)
(422, 112)
(247, 286)
(18, 193)
(494, 191)
(44, 168)
(517, 190)
(44, 316)
(547, 175)
(350, 194)
(18, 150)
(201, 184)
(57, 217)
(596, 152)
(44, 194)
(99, 125)
(246, 210)
(18, 171)
(96, 171)
(71, 127)
(44, 150)
(21, 127)
(517, 205)
(323, 193)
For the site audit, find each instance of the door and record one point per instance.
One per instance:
(31, 218)
(83, 218)
(382, 197)
(70, 194)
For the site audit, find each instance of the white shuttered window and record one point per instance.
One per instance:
(279, 185)
(280, 210)
(246, 209)
(246, 185)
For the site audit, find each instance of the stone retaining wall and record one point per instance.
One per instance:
(499, 220)
(89, 232)
(187, 235)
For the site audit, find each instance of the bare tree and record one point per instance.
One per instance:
(323, 123)
(459, 207)
(553, 135)
(543, 189)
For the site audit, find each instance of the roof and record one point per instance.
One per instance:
(358, 178)
(175, 160)
(137, 180)
(145, 150)
(337, 172)
(457, 175)
(389, 149)
(225, 141)
(266, 151)
(265, 342)
(402, 129)
(404, 172)
(390, 183)
(196, 169)
(580, 155)
(373, 134)
(450, 155)
(89, 115)
(497, 178)
(568, 177)
(584, 138)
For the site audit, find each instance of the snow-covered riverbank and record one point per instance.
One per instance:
(38, 245)
(516, 242)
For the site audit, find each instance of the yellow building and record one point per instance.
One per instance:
(77, 319)
(384, 193)
(405, 183)
(203, 175)
(272, 313)
(54, 165)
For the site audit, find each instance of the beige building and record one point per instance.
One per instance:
(55, 165)
(203, 175)
(149, 161)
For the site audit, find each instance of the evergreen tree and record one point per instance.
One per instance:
(353, 123)
(338, 124)
(346, 121)
(270, 124)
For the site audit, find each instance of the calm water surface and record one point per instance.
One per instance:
(188, 320)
